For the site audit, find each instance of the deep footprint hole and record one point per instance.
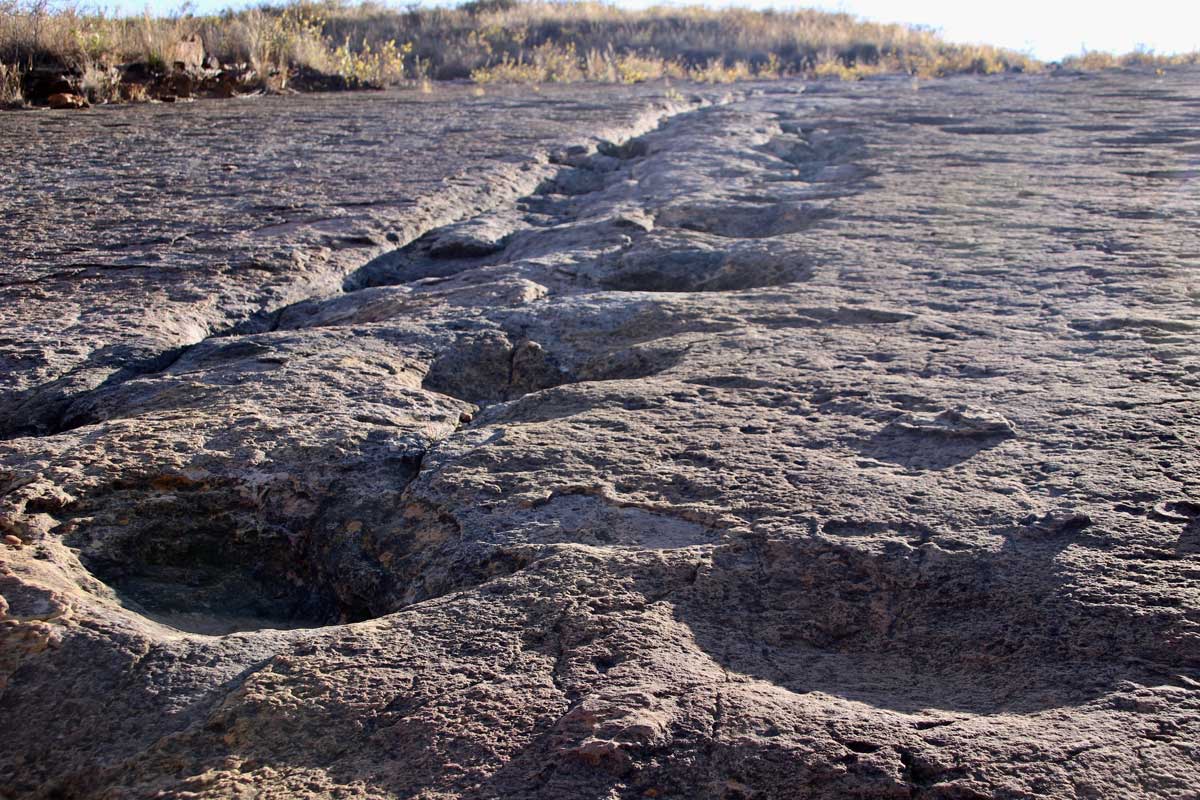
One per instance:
(212, 565)
(210, 580)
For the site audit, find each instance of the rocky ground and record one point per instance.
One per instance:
(808, 441)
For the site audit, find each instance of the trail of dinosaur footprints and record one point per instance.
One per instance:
(818, 443)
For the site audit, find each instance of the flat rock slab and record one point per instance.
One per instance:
(810, 441)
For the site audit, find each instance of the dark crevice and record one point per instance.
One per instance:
(46, 412)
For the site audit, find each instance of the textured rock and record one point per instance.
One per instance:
(825, 443)
(209, 220)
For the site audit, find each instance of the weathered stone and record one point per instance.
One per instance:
(188, 54)
(834, 443)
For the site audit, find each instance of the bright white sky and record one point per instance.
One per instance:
(1049, 29)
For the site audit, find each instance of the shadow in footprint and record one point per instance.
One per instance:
(414, 262)
(884, 614)
(1187, 514)
(933, 441)
(743, 220)
(678, 261)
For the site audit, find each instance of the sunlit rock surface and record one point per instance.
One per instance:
(801, 440)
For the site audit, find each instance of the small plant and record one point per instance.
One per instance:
(97, 41)
(1092, 60)
(369, 66)
(770, 69)
(10, 86)
(833, 68)
(717, 71)
(632, 68)
(134, 93)
(101, 85)
(546, 63)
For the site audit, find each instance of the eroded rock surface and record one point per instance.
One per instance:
(826, 443)
(129, 233)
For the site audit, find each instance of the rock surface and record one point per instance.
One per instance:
(826, 441)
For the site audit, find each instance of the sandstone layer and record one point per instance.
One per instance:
(806, 441)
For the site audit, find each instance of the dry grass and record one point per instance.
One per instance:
(498, 38)
(1097, 60)
(267, 41)
(33, 35)
(10, 86)
(271, 41)
(493, 41)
